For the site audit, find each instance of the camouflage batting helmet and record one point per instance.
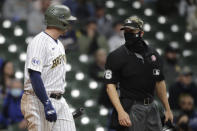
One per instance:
(58, 16)
(133, 23)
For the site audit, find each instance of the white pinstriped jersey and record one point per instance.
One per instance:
(47, 56)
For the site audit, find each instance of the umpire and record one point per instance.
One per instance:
(136, 69)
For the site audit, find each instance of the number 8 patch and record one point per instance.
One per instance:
(108, 74)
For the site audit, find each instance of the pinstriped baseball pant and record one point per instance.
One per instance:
(33, 112)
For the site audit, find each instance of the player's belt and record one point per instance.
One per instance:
(51, 95)
(56, 95)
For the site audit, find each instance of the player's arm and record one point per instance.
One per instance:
(162, 95)
(38, 86)
(40, 92)
(123, 116)
(36, 56)
(111, 79)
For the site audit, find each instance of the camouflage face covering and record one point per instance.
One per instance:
(133, 23)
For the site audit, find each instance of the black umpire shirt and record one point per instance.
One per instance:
(135, 75)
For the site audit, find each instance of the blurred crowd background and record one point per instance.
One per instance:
(170, 27)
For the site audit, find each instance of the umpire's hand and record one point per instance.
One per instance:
(50, 112)
(124, 119)
(168, 116)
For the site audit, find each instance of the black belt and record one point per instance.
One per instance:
(56, 95)
(145, 101)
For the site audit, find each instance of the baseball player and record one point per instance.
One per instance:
(137, 70)
(42, 103)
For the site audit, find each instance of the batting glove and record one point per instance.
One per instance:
(50, 112)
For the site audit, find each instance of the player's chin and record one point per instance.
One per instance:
(63, 32)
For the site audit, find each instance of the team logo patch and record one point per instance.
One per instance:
(35, 61)
(153, 58)
(156, 72)
(108, 74)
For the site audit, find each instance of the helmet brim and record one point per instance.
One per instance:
(72, 18)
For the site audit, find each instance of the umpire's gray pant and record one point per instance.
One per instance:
(144, 118)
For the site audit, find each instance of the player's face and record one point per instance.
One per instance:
(62, 32)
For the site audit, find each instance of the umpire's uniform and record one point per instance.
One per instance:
(135, 68)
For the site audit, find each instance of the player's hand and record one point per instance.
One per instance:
(124, 119)
(168, 116)
(50, 112)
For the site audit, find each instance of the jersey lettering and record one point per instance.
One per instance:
(58, 60)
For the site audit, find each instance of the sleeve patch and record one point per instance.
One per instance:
(35, 61)
(153, 58)
(108, 74)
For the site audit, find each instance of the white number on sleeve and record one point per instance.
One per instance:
(108, 74)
